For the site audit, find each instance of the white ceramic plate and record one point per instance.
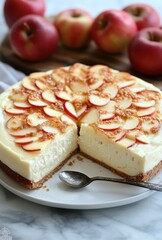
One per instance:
(96, 195)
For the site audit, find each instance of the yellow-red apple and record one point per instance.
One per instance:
(144, 15)
(33, 38)
(74, 27)
(15, 9)
(112, 30)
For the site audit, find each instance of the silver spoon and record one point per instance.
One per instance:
(79, 180)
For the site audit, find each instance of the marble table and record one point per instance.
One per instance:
(21, 219)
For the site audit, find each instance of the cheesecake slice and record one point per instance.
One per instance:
(112, 117)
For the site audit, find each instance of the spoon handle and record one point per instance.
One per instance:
(151, 186)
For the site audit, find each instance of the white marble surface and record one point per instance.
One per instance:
(26, 220)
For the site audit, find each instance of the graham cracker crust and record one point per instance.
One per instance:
(27, 183)
(140, 177)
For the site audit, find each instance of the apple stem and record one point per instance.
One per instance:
(153, 37)
(28, 29)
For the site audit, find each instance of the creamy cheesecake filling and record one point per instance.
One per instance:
(132, 161)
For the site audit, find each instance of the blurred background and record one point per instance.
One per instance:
(93, 6)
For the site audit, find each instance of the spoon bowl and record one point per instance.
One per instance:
(76, 179)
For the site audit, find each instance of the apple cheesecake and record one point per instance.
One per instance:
(112, 117)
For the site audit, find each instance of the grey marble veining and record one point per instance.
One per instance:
(25, 220)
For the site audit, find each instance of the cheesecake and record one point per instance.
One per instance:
(111, 117)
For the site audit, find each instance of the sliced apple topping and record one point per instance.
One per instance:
(27, 140)
(144, 103)
(63, 95)
(146, 112)
(41, 84)
(111, 90)
(151, 125)
(137, 88)
(106, 116)
(82, 111)
(22, 105)
(124, 84)
(79, 71)
(14, 111)
(124, 103)
(36, 101)
(119, 136)
(18, 96)
(15, 122)
(96, 84)
(91, 116)
(131, 123)
(110, 107)
(126, 142)
(23, 132)
(109, 126)
(28, 84)
(70, 110)
(79, 86)
(98, 99)
(35, 119)
(67, 119)
(50, 112)
(98, 73)
(142, 139)
(50, 129)
(49, 96)
(132, 134)
(35, 146)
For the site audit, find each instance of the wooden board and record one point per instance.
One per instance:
(65, 57)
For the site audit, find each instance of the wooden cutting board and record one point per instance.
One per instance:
(64, 57)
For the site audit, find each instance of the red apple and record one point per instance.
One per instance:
(112, 30)
(145, 51)
(144, 15)
(74, 26)
(33, 38)
(15, 9)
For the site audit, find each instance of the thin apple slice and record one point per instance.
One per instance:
(23, 132)
(40, 74)
(144, 104)
(15, 122)
(81, 112)
(126, 142)
(124, 84)
(109, 126)
(50, 112)
(14, 111)
(35, 146)
(150, 125)
(41, 85)
(142, 139)
(27, 140)
(119, 136)
(79, 86)
(137, 89)
(70, 110)
(96, 84)
(22, 105)
(97, 100)
(36, 102)
(106, 116)
(124, 103)
(110, 107)
(49, 129)
(111, 90)
(62, 95)
(132, 134)
(19, 97)
(67, 119)
(131, 123)
(146, 112)
(91, 116)
(28, 84)
(49, 96)
(35, 119)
